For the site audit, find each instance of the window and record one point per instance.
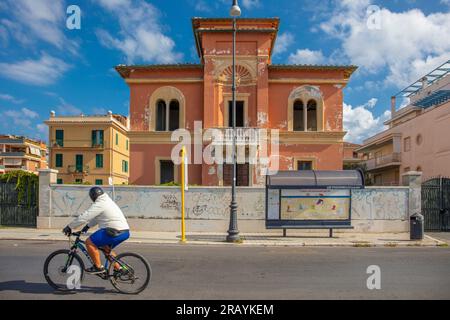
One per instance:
(99, 182)
(242, 174)
(160, 116)
(299, 123)
(79, 181)
(58, 160)
(304, 165)
(174, 115)
(378, 179)
(124, 166)
(407, 144)
(239, 113)
(166, 173)
(126, 144)
(59, 135)
(97, 138)
(99, 160)
(419, 139)
(311, 115)
(59, 181)
(79, 163)
(117, 139)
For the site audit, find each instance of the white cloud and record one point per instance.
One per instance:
(407, 45)
(283, 42)
(29, 113)
(306, 56)
(66, 108)
(249, 4)
(10, 98)
(202, 6)
(360, 123)
(43, 20)
(140, 36)
(21, 117)
(44, 71)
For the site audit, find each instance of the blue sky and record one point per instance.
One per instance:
(45, 66)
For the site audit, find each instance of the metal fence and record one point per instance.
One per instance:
(15, 211)
(436, 204)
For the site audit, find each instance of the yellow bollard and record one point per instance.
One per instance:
(183, 182)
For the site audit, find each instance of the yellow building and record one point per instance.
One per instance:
(89, 149)
(22, 153)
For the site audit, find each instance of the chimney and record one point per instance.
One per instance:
(393, 100)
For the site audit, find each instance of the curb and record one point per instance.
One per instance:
(393, 244)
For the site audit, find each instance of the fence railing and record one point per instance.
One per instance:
(393, 158)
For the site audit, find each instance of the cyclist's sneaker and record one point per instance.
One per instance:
(95, 270)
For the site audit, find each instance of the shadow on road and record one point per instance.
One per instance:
(43, 288)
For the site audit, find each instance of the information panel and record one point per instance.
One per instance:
(315, 204)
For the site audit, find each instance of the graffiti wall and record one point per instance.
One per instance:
(163, 203)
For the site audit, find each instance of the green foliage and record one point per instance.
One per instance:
(26, 184)
(362, 166)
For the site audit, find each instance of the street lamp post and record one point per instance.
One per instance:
(233, 232)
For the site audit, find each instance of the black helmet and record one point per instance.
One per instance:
(95, 192)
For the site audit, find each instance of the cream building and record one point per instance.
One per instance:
(418, 137)
(89, 149)
(22, 153)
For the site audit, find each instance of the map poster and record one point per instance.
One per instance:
(315, 205)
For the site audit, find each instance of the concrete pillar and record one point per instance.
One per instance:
(46, 177)
(413, 179)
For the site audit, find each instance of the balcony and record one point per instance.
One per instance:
(77, 144)
(12, 154)
(244, 136)
(389, 160)
(78, 169)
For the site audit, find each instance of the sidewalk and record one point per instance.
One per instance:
(258, 239)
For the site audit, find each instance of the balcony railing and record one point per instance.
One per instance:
(76, 144)
(378, 162)
(78, 169)
(244, 135)
(16, 154)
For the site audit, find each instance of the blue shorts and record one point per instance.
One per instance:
(101, 238)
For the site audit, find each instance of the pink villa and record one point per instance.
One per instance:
(305, 102)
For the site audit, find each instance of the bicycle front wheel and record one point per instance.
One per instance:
(134, 274)
(63, 270)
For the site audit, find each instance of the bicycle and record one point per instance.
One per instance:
(118, 270)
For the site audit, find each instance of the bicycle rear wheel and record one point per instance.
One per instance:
(135, 273)
(60, 270)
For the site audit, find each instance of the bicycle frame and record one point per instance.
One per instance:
(79, 244)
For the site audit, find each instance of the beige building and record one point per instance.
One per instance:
(350, 156)
(89, 149)
(22, 153)
(418, 137)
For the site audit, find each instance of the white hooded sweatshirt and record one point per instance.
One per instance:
(104, 212)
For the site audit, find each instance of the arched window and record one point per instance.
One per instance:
(311, 115)
(299, 123)
(174, 115)
(161, 115)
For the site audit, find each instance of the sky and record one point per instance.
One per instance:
(44, 65)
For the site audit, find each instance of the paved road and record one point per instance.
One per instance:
(213, 272)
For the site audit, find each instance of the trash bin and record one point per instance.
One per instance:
(416, 226)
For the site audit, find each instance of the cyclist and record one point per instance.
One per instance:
(113, 227)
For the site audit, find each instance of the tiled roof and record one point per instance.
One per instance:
(124, 70)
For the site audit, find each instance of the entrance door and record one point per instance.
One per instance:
(436, 204)
(242, 174)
